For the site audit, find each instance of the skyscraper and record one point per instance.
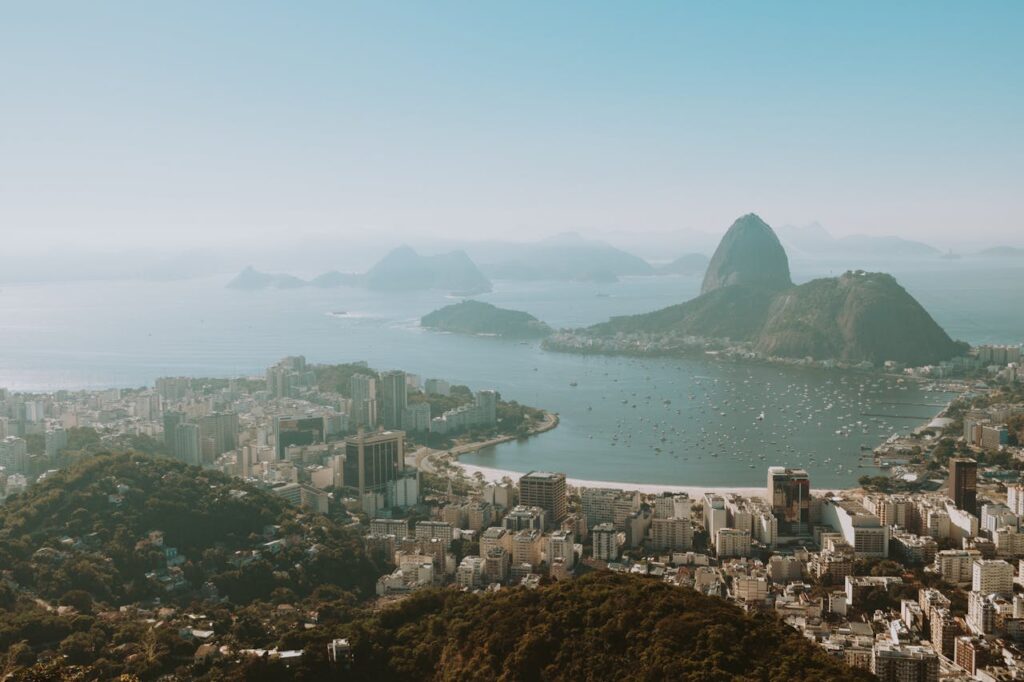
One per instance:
(220, 429)
(186, 443)
(547, 491)
(171, 421)
(372, 460)
(789, 494)
(363, 390)
(393, 399)
(963, 483)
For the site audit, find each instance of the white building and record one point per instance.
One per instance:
(954, 565)
(862, 530)
(561, 545)
(470, 572)
(750, 588)
(732, 542)
(992, 576)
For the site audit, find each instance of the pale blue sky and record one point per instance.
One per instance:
(122, 120)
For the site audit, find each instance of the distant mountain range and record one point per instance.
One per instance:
(687, 264)
(566, 256)
(401, 270)
(748, 296)
(1002, 252)
(476, 317)
(814, 239)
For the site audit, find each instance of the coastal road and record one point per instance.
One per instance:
(425, 459)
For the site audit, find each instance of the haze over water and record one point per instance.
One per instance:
(83, 335)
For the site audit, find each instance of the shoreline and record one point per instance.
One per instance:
(694, 491)
(426, 461)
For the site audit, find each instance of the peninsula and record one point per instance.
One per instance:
(748, 298)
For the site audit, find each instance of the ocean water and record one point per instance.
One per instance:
(695, 422)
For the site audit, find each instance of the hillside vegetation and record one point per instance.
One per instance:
(599, 627)
(86, 528)
(858, 316)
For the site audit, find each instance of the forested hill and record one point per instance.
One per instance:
(88, 529)
(599, 627)
(476, 317)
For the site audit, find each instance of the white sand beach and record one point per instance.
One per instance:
(694, 491)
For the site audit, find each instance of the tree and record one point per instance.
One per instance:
(80, 600)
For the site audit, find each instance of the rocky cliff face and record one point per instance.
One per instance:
(749, 254)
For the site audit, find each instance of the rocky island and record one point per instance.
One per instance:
(403, 269)
(477, 317)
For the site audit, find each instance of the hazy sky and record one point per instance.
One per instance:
(185, 122)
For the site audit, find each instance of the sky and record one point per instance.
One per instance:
(193, 123)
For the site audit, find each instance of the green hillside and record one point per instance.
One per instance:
(858, 316)
(735, 312)
(599, 627)
(476, 317)
(87, 528)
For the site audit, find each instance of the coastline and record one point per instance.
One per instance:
(427, 459)
(694, 491)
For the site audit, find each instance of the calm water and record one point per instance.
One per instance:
(695, 422)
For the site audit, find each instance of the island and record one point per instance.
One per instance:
(402, 269)
(477, 317)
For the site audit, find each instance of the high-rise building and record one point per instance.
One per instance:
(373, 460)
(606, 542)
(992, 576)
(487, 405)
(860, 529)
(393, 399)
(545, 490)
(944, 630)
(527, 546)
(789, 494)
(186, 443)
(963, 483)
(220, 431)
(495, 537)
(171, 421)
(521, 517)
(561, 546)
(437, 387)
(608, 505)
(290, 431)
(496, 564)
(14, 454)
(904, 663)
(288, 376)
(672, 533)
(416, 418)
(55, 440)
(732, 542)
(173, 389)
(363, 390)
